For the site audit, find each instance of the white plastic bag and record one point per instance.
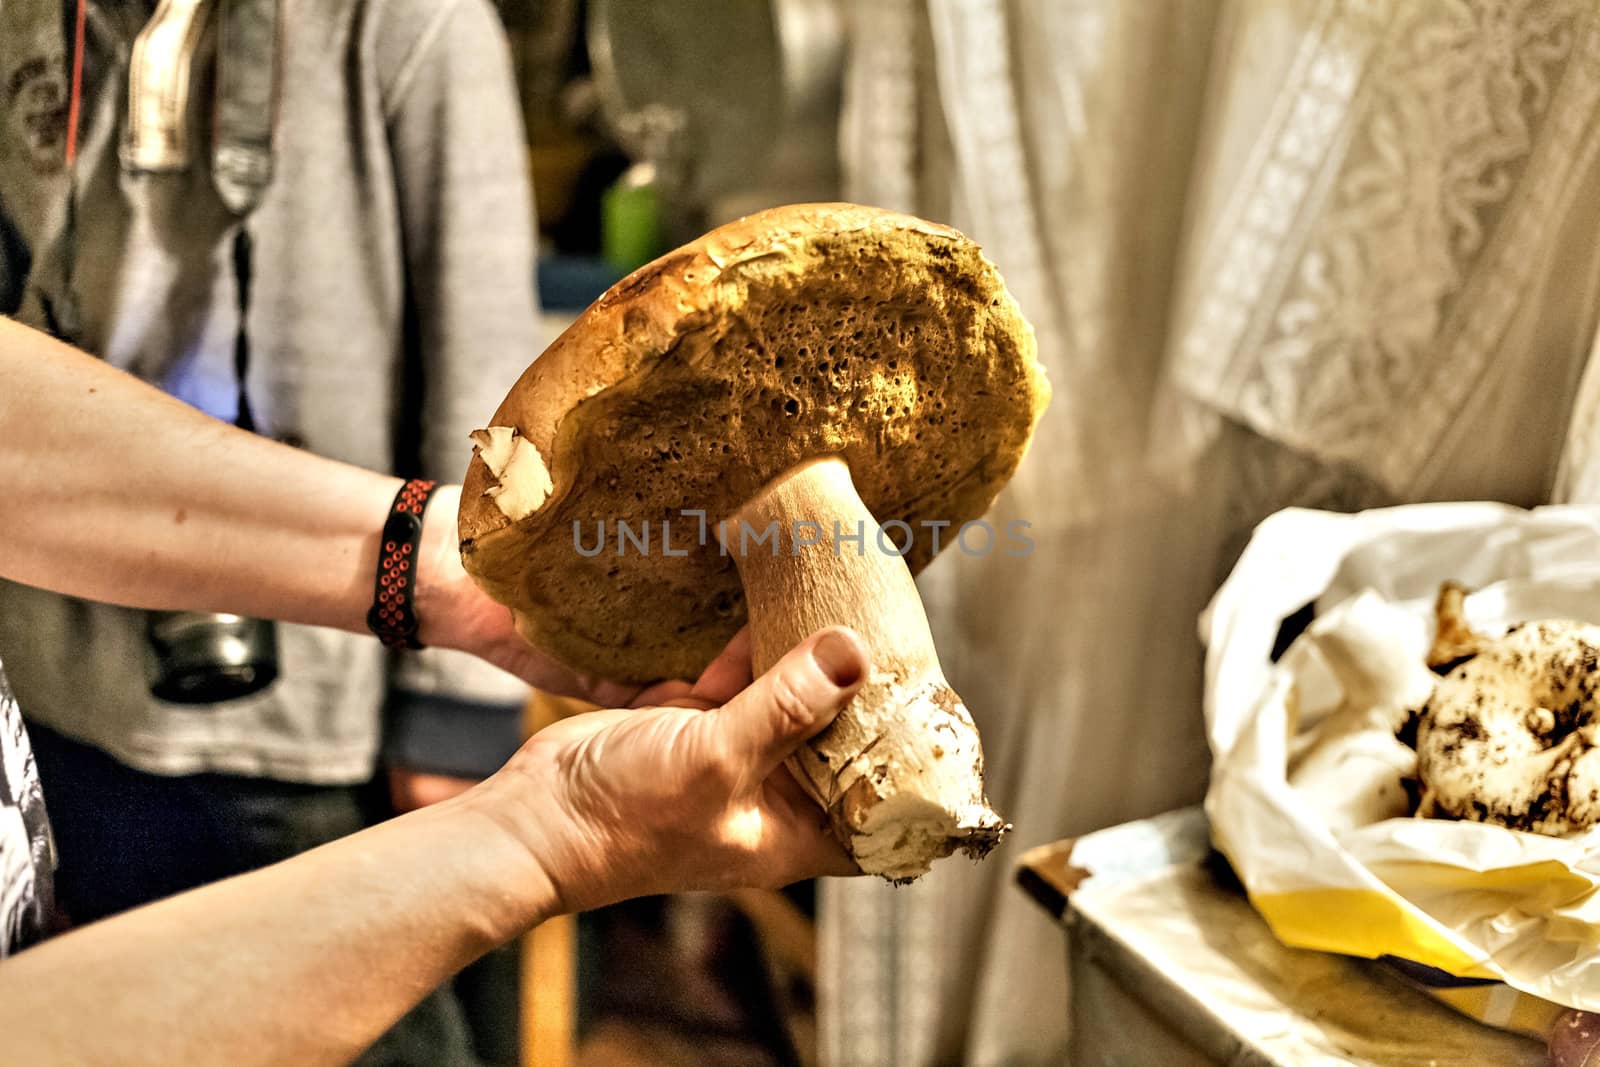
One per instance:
(1305, 797)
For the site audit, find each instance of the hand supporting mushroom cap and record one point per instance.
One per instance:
(804, 372)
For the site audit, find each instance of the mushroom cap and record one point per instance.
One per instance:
(802, 331)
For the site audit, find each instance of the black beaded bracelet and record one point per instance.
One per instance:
(392, 615)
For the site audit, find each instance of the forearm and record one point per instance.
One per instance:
(306, 962)
(135, 498)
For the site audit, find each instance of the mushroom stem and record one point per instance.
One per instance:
(900, 771)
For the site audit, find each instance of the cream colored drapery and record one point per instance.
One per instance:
(1277, 252)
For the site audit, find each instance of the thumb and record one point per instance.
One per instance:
(796, 699)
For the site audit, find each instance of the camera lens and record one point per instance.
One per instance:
(208, 659)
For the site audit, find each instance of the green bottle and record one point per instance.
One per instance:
(630, 220)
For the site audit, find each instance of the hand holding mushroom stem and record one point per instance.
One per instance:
(900, 771)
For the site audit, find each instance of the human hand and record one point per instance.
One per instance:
(721, 681)
(453, 612)
(615, 804)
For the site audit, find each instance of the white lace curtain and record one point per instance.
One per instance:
(1333, 253)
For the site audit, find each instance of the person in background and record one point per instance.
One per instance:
(312, 220)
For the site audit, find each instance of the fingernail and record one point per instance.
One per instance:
(839, 658)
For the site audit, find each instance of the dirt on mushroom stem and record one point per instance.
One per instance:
(900, 771)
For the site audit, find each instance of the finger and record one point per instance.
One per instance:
(815, 851)
(720, 682)
(797, 698)
(810, 853)
(675, 693)
(825, 857)
(728, 673)
(607, 694)
(515, 656)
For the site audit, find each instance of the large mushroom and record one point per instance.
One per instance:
(721, 435)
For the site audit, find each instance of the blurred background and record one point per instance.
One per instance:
(649, 123)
